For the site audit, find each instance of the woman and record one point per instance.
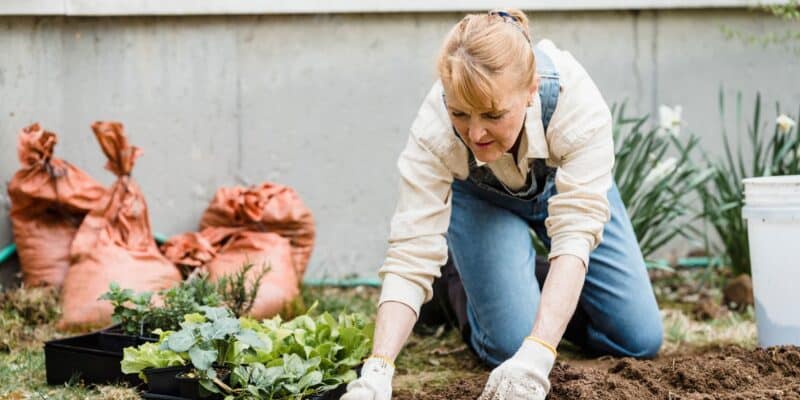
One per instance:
(513, 137)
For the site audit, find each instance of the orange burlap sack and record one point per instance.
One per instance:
(114, 243)
(192, 251)
(49, 199)
(268, 207)
(225, 251)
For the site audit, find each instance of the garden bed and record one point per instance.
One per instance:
(700, 358)
(729, 372)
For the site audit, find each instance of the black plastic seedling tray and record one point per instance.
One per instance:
(153, 396)
(113, 338)
(91, 358)
(334, 394)
(162, 381)
(331, 395)
(189, 388)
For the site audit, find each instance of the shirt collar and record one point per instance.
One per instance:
(533, 143)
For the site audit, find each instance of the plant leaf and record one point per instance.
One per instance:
(250, 338)
(202, 359)
(180, 341)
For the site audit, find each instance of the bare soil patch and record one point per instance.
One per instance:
(729, 372)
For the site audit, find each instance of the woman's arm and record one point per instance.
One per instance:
(580, 141)
(417, 245)
(581, 144)
(417, 250)
(559, 298)
(393, 326)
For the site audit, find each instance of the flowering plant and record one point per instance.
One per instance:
(655, 172)
(723, 198)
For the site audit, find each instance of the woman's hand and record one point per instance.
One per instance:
(375, 382)
(392, 328)
(523, 376)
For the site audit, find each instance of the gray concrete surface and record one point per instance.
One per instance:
(323, 102)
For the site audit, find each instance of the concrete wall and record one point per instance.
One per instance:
(323, 102)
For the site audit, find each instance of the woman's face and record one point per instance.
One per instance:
(490, 133)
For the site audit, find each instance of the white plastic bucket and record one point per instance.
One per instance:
(772, 211)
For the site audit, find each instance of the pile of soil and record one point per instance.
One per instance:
(723, 373)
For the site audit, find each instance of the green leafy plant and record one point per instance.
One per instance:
(237, 293)
(137, 315)
(653, 186)
(150, 355)
(130, 309)
(205, 292)
(309, 356)
(270, 359)
(213, 340)
(723, 197)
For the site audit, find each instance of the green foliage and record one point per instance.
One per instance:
(238, 295)
(723, 198)
(215, 339)
(654, 187)
(266, 359)
(148, 355)
(130, 309)
(358, 300)
(137, 315)
(309, 355)
(789, 38)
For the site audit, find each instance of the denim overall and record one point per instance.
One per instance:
(492, 256)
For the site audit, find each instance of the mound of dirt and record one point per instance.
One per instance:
(723, 373)
(726, 373)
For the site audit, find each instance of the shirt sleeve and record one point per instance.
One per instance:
(417, 245)
(583, 147)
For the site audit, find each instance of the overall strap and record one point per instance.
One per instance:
(549, 85)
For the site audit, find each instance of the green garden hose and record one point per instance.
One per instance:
(9, 251)
(689, 262)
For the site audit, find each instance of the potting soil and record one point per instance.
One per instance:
(722, 373)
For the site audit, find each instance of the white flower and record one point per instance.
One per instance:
(661, 170)
(670, 119)
(785, 124)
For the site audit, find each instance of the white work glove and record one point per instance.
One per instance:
(375, 382)
(524, 375)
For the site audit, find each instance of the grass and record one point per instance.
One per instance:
(430, 362)
(435, 361)
(361, 299)
(681, 332)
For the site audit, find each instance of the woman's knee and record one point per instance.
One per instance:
(501, 338)
(494, 350)
(643, 342)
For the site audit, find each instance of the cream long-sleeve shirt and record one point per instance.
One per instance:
(578, 143)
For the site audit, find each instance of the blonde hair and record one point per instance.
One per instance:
(482, 46)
